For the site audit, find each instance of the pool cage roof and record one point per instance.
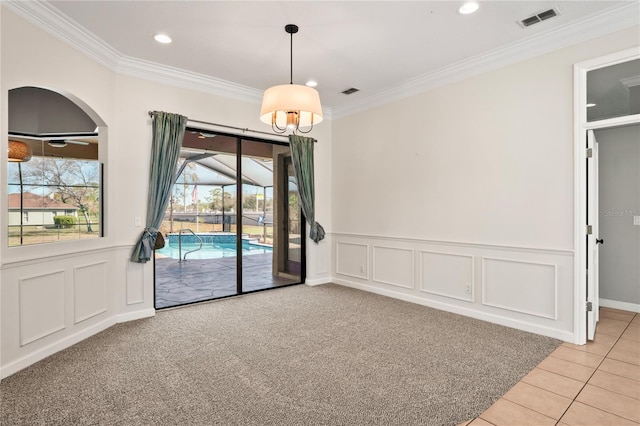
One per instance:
(210, 159)
(220, 170)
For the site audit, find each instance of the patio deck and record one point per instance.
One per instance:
(195, 280)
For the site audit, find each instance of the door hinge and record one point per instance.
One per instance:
(589, 306)
(589, 152)
(589, 229)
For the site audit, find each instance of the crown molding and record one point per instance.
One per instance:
(596, 25)
(172, 76)
(48, 18)
(178, 77)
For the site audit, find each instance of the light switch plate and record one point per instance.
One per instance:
(636, 220)
(137, 221)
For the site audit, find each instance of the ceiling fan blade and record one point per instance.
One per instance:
(76, 142)
(61, 143)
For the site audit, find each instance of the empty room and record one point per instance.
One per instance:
(320, 212)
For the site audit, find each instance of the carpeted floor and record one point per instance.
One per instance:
(300, 355)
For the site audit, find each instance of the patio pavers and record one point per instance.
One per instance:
(195, 280)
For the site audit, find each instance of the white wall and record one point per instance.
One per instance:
(459, 198)
(55, 295)
(48, 299)
(619, 178)
(479, 176)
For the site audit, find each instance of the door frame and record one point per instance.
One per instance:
(593, 249)
(581, 126)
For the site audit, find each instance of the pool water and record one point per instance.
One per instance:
(213, 250)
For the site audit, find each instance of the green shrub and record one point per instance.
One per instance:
(65, 221)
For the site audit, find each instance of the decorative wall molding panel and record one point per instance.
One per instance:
(72, 298)
(90, 291)
(520, 286)
(446, 274)
(393, 266)
(352, 260)
(135, 282)
(42, 306)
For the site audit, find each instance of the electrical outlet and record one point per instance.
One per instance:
(137, 221)
(467, 288)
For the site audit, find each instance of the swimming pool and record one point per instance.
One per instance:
(212, 250)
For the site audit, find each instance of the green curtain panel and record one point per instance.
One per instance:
(168, 132)
(302, 158)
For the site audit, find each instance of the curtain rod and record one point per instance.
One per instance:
(243, 129)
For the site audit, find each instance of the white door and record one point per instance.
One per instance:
(593, 238)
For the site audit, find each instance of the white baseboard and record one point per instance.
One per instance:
(71, 340)
(496, 319)
(41, 354)
(623, 306)
(318, 281)
(131, 316)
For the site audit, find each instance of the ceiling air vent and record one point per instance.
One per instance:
(350, 91)
(539, 17)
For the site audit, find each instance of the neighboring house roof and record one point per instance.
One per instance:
(32, 201)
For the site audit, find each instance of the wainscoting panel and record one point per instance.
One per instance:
(393, 266)
(528, 288)
(520, 286)
(42, 306)
(50, 303)
(352, 260)
(445, 274)
(90, 291)
(135, 282)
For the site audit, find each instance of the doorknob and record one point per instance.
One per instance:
(599, 241)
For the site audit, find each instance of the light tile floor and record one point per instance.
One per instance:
(595, 384)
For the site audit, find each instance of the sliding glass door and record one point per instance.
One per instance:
(233, 225)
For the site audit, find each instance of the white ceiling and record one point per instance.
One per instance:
(378, 47)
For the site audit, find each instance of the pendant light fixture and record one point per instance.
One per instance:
(19, 152)
(291, 106)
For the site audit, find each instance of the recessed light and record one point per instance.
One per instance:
(311, 83)
(469, 7)
(162, 38)
(590, 105)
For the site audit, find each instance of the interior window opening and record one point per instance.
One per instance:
(54, 173)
